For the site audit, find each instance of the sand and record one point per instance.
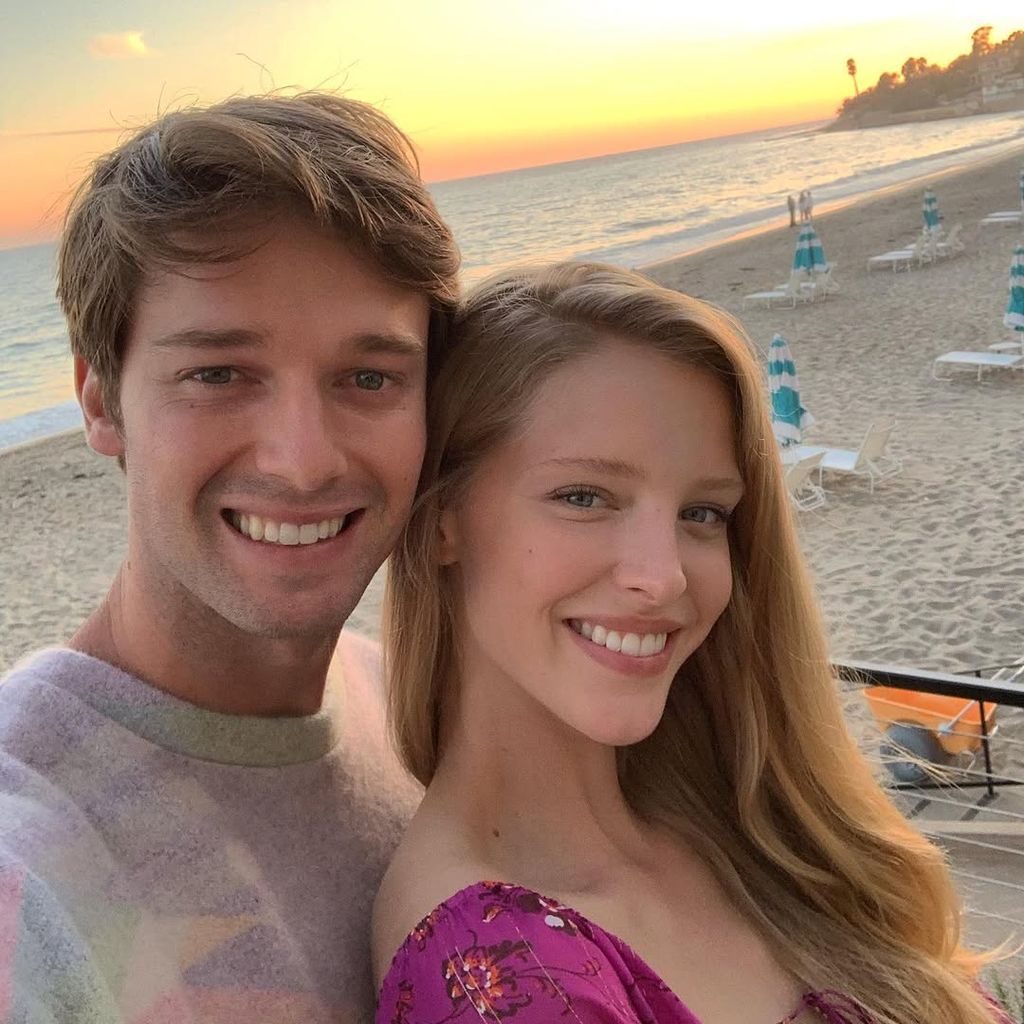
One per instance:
(925, 572)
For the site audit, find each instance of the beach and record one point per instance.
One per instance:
(924, 572)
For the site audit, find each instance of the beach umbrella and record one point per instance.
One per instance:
(789, 417)
(931, 211)
(1015, 307)
(810, 256)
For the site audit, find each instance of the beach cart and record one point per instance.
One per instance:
(930, 727)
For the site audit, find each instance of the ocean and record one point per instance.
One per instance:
(631, 209)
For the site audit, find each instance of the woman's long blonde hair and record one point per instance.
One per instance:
(751, 764)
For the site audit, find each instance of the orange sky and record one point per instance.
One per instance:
(479, 86)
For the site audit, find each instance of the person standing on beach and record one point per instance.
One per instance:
(196, 802)
(791, 203)
(802, 204)
(808, 205)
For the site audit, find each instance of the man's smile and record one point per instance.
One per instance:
(273, 531)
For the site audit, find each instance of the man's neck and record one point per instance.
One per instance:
(204, 659)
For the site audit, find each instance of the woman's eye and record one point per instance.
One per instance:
(705, 514)
(214, 375)
(369, 380)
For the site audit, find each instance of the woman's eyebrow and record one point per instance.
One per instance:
(628, 471)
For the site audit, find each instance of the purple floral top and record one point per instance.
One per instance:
(495, 951)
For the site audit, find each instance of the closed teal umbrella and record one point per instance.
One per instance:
(789, 417)
(809, 256)
(930, 208)
(1015, 307)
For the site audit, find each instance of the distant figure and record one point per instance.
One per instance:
(809, 205)
(802, 204)
(791, 203)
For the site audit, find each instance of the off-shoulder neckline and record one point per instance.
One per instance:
(462, 895)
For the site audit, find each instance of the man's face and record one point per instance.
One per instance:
(273, 430)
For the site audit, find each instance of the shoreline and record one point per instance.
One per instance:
(711, 242)
(827, 209)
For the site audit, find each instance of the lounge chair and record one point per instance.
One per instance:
(869, 460)
(977, 361)
(1013, 348)
(1006, 217)
(790, 292)
(896, 258)
(803, 491)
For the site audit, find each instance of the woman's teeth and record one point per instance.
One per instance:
(271, 532)
(636, 645)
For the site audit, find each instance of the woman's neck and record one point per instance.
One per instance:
(536, 801)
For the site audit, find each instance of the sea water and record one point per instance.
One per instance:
(630, 209)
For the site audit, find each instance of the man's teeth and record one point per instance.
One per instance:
(286, 533)
(637, 645)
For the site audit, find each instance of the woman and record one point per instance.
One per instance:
(608, 668)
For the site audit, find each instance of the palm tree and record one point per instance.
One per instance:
(851, 70)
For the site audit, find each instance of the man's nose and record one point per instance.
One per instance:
(302, 440)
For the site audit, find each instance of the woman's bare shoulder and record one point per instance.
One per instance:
(431, 864)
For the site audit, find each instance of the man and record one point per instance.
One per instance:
(193, 820)
(791, 203)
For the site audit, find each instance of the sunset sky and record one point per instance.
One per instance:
(480, 85)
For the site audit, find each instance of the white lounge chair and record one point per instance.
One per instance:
(1006, 217)
(803, 491)
(896, 258)
(1013, 348)
(977, 361)
(790, 292)
(869, 460)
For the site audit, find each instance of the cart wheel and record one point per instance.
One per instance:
(902, 738)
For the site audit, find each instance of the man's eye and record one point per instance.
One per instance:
(214, 375)
(370, 380)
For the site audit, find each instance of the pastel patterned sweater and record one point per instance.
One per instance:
(160, 863)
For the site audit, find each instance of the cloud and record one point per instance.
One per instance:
(109, 45)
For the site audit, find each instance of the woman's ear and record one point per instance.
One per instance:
(101, 429)
(447, 538)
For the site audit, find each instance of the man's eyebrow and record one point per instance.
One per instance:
(232, 337)
(390, 344)
(239, 337)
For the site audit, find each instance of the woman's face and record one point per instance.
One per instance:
(591, 550)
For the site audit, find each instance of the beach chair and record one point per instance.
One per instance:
(822, 285)
(869, 460)
(1004, 217)
(951, 244)
(790, 292)
(1013, 348)
(976, 361)
(803, 491)
(897, 258)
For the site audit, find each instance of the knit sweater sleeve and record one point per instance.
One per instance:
(48, 973)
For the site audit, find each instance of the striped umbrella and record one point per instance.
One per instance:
(789, 417)
(1015, 307)
(930, 209)
(810, 256)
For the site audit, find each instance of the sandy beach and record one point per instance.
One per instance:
(925, 572)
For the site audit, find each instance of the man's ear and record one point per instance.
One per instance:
(101, 430)
(447, 538)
